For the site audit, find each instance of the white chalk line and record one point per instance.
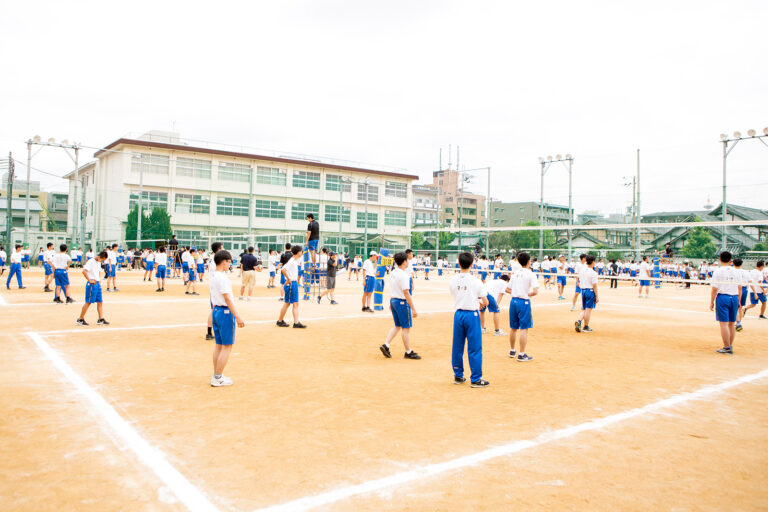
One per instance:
(192, 497)
(430, 470)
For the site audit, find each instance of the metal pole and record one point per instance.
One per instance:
(81, 211)
(570, 204)
(461, 204)
(75, 211)
(141, 205)
(637, 202)
(488, 218)
(9, 210)
(365, 243)
(634, 208)
(250, 209)
(26, 207)
(724, 208)
(541, 214)
(341, 210)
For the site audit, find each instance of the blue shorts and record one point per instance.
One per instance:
(185, 267)
(520, 316)
(271, 273)
(369, 282)
(110, 271)
(483, 275)
(726, 308)
(578, 288)
(282, 278)
(401, 313)
(312, 245)
(754, 298)
(743, 300)
(61, 277)
(600, 271)
(291, 293)
(561, 280)
(25, 259)
(161, 271)
(223, 325)
(632, 273)
(201, 268)
(492, 306)
(588, 299)
(150, 266)
(645, 282)
(192, 276)
(40, 258)
(93, 293)
(48, 268)
(426, 270)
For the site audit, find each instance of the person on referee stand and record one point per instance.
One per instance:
(668, 253)
(313, 239)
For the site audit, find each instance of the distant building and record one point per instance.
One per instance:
(458, 205)
(424, 206)
(518, 214)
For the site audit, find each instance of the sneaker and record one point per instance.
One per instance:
(101, 321)
(385, 350)
(587, 328)
(573, 308)
(209, 337)
(194, 293)
(222, 381)
(739, 328)
(725, 350)
(369, 310)
(333, 302)
(158, 290)
(459, 380)
(319, 299)
(577, 325)
(522, 358)
(47, 289)
(480, 384)
(247, 299)
(512, 354)
(763, 317)
(282, 323)
(239, 298)
(70, 300)
(21, 288)
(483, 330)
(115, 289)
(412, 355)
(58, 300)
(299, 325)
(365, 309)
(81, 321)
(499, 333)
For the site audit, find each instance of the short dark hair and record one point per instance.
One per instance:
(296, 249)
(311, 216)
(760, 263)
(288, 246)
(400, 258)
(162, 248)
(590, 258)
(582, 256)
(216, 247)
(725, 256)
(18, 246)
(523, 258)
(737, 262)
(50, 244)
(114, 245)
(103, 255)
(250, 249)
(63, 247)
(222, 255)
(409, 251)
(645, 258)
(466, 260)
(504, 277)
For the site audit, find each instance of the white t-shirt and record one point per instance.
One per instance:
(398, 282)
(92, 269)
(211, 265)
(521, 283)
(3, 256)
(496, 288)
(186, 257)
(161, 258)
(515, 266)
(323, 260)
(199, 260)
(112, 257)
(467, 290)
(292, 269)
(271, 263)
(369, 270)
(645, 269)
(587, 278)
(756, 278)
(498, 264)
(561, 268)
(726, 281)
(408, 269)
(60, 260)
(150, 257)
(16, 257)
(220, 286)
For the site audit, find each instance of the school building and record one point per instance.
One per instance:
(240, 196)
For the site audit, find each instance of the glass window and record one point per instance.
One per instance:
(373, 220)
(396, 189)
(332, 213)
(234, 172)
(333, 182)
(373, 192)
(394, 218)
(148, 162)
(149, 200)
(269, 209)
(270, 176)
(300, 210)
(191, 203)
(193, 168)
(232, 206)
(190, 238)
(306, 179)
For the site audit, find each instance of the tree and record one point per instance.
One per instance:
(155, 226)
(161, 224)
(761, 246)
(417, 240)
(699, 244)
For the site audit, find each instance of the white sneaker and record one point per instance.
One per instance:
(223, 381)
(247, 299)
(499, 333)
(573, 308)
(240, 298)
(483, 330)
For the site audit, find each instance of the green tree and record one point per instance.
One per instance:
(760, 246)
(131, 229)
(161, 224)
(417, 240)
(699, 244)
(530, 239)
(155, 226)
(614, 255)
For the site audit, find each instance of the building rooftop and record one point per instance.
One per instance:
(20, 204)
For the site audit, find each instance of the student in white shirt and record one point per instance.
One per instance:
(411, 270)
(91, 271)
(16, 258)
(427, 265)
(578, 267)
(589, 297)
(725, 295)
(200, 263)
(225, 318)
(468, 295)
(3, 257)
(369, 280)
(523, 285)
(402, 307)
(743, 277)
(271, 267)
(48, 266)
(60, 262)
(495, 290)
(562, 279)
(112, 268)
(644, 273)
(215, 247)
(291, 288)
(161, 263)
(757, 289)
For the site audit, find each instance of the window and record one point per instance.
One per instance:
(234, 172)
(306, 179)
(190, 238)
(468, 211)
(467, 222)
(269, 209)
(232, 206)
(193, 168)
(332, 213)
(300, 210)
(394, 218)
(334, 182)
(149, 200)
(396, 189)
(373, 192)
(449, 210)
(147, 162)
(373, 220)
(270, 176)
(189, 203)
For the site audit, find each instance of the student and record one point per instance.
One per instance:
(191, 274)
(25, 254)
(248, 266)
(614, 272)
(291, 288)
(577, 291)
(89, 255)
(212, 268)
(402, 307)
(112, 268)
(284, 258)
(161, 260)
(468, 295)
(60, 262)
(224, 317)
(272, 261)
(91, 271)
(725, 295)
(330, 279)
(644, 272)
(743, 280)
(369, 280)
(589, 297)
(495, 294)
(3, 257)
(427, 265)
(186, 263)
(482, 265)
(149, 265)
(522, 286)
(200, 263)
(561, 277)
(758, 290)
(411, 270)
(16, 259)
(48, 266)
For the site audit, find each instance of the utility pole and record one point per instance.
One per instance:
(637, 203)
(141, 206)
(26, 206)
(365, 243)
(9, 209)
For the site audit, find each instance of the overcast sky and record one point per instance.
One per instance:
(392, 82)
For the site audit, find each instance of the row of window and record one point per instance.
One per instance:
(227, 171)
(238, 207)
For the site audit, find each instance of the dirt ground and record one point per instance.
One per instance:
(318, 410)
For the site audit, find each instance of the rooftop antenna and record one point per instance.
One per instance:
(449, 157)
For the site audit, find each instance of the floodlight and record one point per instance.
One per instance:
(51, 141)
(736, 135)
(723, 136)
(568, 156)
(765, 130)
(549, 158)
(65, 142)
(36, 138)
(559, 157)
(541, 158)
(751, 133)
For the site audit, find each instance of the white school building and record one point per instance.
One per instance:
(238, 196)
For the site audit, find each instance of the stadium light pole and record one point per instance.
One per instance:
(365, 243)
(342, 181)
(140, 157)
(751, 134)
(545, 164)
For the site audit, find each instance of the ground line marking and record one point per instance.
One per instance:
(192, 497)
(429, 470)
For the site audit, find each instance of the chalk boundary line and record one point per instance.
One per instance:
(196, 501)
